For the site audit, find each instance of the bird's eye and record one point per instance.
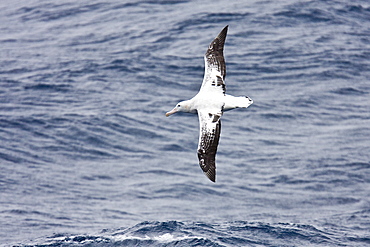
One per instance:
(178, 105)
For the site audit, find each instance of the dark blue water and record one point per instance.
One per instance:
(88, 158)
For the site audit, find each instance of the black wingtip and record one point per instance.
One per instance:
(211, 174)
(222, 34)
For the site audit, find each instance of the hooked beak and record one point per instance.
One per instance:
(174, 110)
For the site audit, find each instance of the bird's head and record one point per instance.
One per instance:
(180, 107)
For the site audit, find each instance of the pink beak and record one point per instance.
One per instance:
(174, 110)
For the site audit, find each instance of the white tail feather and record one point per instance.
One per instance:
(232, 102)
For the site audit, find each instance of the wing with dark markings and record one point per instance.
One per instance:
(215, 67)
(210, 129)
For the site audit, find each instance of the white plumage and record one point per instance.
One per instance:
(210, 103)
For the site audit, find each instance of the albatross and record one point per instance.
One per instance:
(210, 103)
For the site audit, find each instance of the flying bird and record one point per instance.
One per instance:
(210, 103)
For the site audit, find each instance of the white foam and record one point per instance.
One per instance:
(165, 238)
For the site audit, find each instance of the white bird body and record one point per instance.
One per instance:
(210, 103)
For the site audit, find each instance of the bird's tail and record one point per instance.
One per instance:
(232, 102)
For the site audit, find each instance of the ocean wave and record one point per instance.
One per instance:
(240, 233)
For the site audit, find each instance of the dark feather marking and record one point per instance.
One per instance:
(220, 82)
(215, 52)
(207, 150)
(215, 118)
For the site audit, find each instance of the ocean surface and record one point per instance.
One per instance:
(88, 158)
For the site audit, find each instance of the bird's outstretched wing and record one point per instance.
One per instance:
(210, 129)
(215, 67)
